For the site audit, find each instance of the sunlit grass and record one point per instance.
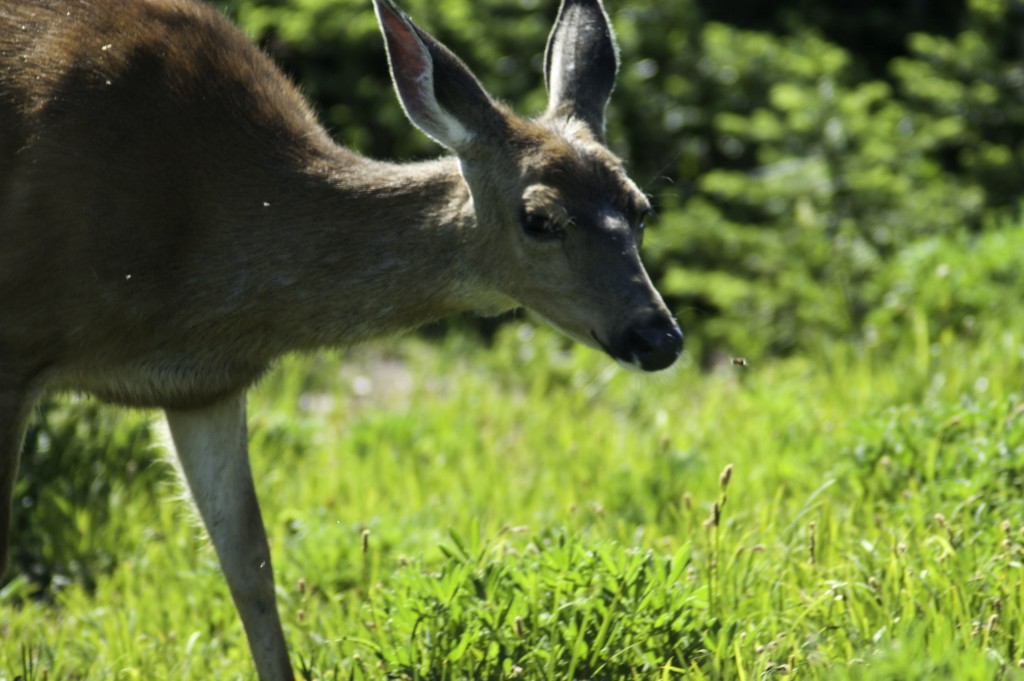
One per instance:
(459, 512)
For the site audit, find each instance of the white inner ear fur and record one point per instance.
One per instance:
(557, 74)
(429, 116)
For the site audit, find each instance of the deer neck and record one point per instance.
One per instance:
(394, 246)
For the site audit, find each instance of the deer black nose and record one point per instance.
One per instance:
(653, 344)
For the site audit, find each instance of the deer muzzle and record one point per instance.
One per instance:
(651, 344)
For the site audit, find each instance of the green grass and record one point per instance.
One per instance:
(529, 511)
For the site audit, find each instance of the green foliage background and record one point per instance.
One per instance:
(795, 150)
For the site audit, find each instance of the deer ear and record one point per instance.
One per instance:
(580, 64)
(438, 92)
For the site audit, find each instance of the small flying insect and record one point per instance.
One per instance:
(740, 361)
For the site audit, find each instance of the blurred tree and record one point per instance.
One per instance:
(875, 30)
(976, 76)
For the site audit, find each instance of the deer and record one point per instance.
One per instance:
(174, 218)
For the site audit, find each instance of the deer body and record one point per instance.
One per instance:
(199, 295)
(173, 218)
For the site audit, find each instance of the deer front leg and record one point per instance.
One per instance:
(212, 449)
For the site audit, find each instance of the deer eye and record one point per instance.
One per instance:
(540, 226)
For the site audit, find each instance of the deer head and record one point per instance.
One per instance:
(560, 220)
(557, 221)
